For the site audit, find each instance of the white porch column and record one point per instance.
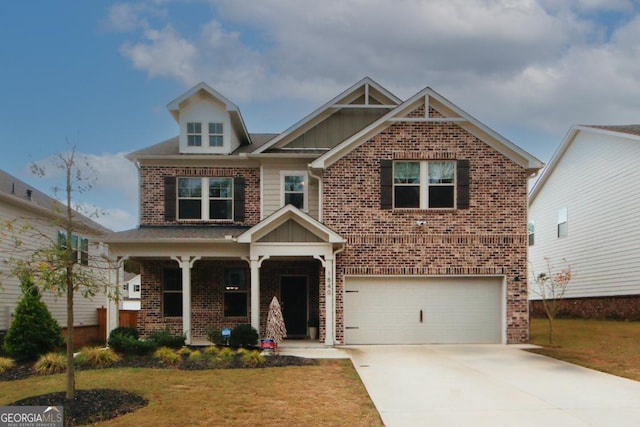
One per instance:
(186, 263)
(255, 293)
(113, 295)
(329, 335)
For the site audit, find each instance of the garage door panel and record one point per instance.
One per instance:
(454, 310)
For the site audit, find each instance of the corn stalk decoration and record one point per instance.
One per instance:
(276, 329)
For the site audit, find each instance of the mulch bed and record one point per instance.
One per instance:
(90, 406)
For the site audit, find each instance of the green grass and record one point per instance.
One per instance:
(328, 394)
(605, 345)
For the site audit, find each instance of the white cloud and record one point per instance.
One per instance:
(117, 219)
(541, 65)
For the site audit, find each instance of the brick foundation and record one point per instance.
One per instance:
(614, 308)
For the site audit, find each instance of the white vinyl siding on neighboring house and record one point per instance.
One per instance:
(84, 308)
(598, 182)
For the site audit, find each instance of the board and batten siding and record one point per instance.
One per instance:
(84, 309)
(272, 187)
(598, 181)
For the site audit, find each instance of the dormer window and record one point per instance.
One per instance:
(194, 134)
(216, 135)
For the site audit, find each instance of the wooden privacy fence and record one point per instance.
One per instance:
(125, 318)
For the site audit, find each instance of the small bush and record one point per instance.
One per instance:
(129, 345)
(251, 358)
(243, 335)
(184, 351)
(6, 363)
(167, 355)
(126, 331)
(195, 355)
(51, 363)
(164, 338)
(212, 350)
(215, 336)
(97, 356)
(33, 331)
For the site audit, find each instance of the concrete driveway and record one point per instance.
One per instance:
(490, 385)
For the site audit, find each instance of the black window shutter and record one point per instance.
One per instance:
(462, 180)
(386, 184)
(170, 198)
(238, 198)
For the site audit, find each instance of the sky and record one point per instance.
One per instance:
(97, 75)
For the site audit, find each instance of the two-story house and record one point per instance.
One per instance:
(390, 221)
(33, 218)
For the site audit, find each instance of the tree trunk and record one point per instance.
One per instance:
(550, 319)
(71, 371)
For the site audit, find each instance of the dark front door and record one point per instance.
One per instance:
(293, 295)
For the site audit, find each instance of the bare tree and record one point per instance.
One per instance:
(54, 265)
(551, 286)
(276, 329)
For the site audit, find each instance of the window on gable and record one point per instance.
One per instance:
(235, 292)
(424, 185)
(172, 292)
(194, 134)
(531, 232)
(216, 136)
(293, 189)
(563, 222)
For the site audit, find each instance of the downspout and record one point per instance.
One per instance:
(333, 294)
(319, 178)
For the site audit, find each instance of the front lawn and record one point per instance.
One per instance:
(606, 345)
(329, 393)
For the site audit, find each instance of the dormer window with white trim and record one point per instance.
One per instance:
(194, 134)
(216, 135)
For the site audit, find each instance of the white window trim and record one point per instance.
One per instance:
(305, 178)
(209, 135)
(424, 184)
(563, 213)
(204, 201)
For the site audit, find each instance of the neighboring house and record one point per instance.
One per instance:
(25, 205)
(130, 298)
(391, 221)
(584, 208)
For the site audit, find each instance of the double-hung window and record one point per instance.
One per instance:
(205, 198)
(531, 232)
(424, 184)
(235, 292)
(172, 292)
(194, 134)
(79, 247)
(294, 189)
(216, 136)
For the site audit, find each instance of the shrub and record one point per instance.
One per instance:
(33, 331)
(165, 338)
(243, 335)
(51, 363)
(251, 358)
(224, 358)
(97, 356)
(212, 350)
(215, 336)
(126, 344)
(6, 363)
(126, 331)
(195, 355)
(167, 355)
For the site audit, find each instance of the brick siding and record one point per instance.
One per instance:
(614, 308)
(489, 238)
(152, 191)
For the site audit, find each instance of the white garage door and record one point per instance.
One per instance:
(422, 310)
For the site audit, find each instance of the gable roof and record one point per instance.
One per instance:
(281, 216)
(622, 131)
(21, 194)
(365, 86)
(234, 112)
(452, 113)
